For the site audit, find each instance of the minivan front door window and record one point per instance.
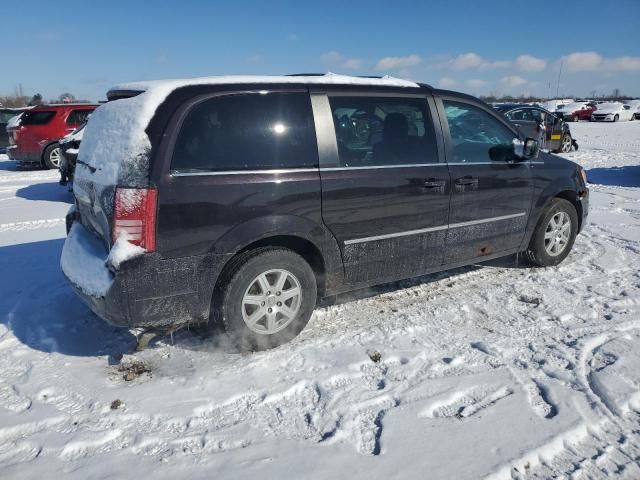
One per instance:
(474, 132)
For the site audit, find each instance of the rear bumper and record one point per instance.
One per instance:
(147, 291)
(24, 157)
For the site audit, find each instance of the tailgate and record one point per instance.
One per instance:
(95, 205)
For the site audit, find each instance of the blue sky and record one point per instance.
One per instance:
(478, 47)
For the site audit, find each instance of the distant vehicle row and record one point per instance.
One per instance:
(599, 112)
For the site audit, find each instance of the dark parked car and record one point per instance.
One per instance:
(35, 140)
(253, 197)
(69, 147)
(552, 132)
(5, 115)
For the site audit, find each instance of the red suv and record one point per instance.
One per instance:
(35, 139)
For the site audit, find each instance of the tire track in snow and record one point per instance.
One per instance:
(31, 225)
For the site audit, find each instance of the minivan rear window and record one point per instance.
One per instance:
(247, 132)
(37, 118)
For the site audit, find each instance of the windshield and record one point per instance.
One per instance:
(6, 115)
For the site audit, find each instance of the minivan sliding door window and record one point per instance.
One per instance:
(247, 132)
(383, 131)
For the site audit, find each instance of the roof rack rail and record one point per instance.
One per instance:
(326, 73)
(305, 75)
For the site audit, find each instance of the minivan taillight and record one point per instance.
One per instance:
(135, 214)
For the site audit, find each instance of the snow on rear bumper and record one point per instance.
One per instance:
(83, 263)
(147, 291)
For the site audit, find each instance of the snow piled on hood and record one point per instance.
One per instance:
(570, 107)
(75, 136)
(609, 107)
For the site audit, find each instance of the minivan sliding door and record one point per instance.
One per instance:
(385, 195)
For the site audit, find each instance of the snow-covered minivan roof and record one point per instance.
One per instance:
(311, 79)
(115, 146)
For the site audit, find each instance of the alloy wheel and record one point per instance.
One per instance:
(271, 302)
(557, 234)
(54, 157)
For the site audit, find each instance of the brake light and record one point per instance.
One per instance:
(135, 215)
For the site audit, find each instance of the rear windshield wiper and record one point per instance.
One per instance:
(93, 169)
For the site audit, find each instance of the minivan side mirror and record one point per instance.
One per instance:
(526, 150)
(531, 149)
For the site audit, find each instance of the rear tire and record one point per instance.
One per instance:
(566, 143)
(265, 298)
(51, 157)
(554, 235)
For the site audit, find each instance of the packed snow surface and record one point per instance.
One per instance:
(496, 371)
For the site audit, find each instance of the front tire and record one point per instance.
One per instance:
(51, 157)
(265, 299)
(616, 118)
(554, 235)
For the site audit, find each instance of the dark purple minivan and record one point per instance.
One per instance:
(241, 201)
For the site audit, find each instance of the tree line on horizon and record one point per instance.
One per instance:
(19, 100)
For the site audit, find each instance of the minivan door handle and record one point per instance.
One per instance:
(433, 183)
(466, 181)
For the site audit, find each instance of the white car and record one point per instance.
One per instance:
(612, 112)
(635, 108)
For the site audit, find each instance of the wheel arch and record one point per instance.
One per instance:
(565, 192)
(310, 240)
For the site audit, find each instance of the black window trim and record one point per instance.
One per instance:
(177, 119)
(326, 134)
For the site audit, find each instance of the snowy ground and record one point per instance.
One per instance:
(499, 371)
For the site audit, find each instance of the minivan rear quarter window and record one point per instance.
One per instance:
(383, 131)
(250, 131)
(37, 118)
